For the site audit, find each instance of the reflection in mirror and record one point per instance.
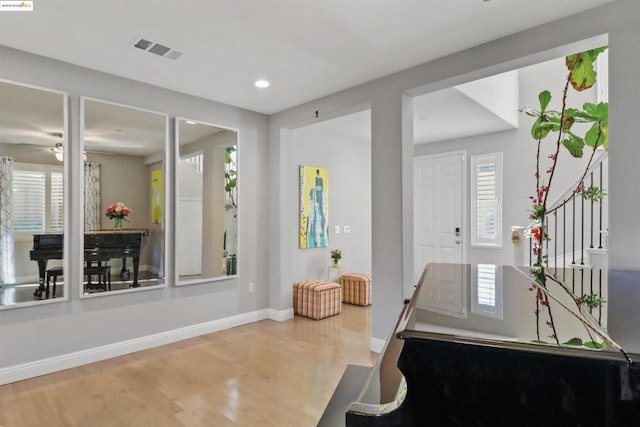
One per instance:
(123, 197)
(32, 142)
(206, 202)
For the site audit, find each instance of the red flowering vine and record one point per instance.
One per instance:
(581, 76)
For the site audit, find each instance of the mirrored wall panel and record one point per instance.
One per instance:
(124, 202)
(32, 144)
(206, 202)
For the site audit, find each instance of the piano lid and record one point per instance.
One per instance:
(495, 310)
(143, 231)
(502, 304)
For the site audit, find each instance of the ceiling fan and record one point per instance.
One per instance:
(58, 151)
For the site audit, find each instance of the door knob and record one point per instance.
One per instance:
(457, 242)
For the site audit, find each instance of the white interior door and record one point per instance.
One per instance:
(445, 290)
(437, 211)
(190, 231)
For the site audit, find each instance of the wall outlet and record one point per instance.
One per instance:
(347, 229)
(336, 229)
(252, 288)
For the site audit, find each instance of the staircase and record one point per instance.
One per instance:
(577, 248)
(578, 232)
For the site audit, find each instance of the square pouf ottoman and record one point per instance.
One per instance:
(356, 288)
(316, 299)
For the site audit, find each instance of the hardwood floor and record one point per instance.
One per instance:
(263, 374)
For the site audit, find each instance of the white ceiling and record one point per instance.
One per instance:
(35, 118)
(450, 114)
(30, 116)
(306, 48)
(114, 128)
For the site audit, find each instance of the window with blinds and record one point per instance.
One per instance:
(196, 160)
(38, 199)
(486, 211)
(487, 291)
(57, 203)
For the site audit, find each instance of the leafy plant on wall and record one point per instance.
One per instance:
(554, 130)
(230, 177)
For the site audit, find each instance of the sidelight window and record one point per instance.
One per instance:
(486, 217)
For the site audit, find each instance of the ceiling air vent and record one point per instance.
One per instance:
(143, 44)
(157, 49)
(173, 54)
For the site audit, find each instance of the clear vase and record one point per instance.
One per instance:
(117, 223)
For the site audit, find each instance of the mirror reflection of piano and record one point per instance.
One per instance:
(98, 246)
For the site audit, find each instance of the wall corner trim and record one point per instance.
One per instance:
(376, 345)
(280, 315)
(96, 354)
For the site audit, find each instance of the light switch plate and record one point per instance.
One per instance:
(336, 229)
(346, 229)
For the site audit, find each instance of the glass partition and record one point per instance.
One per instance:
(206, 202)
(32, 194)
(124, 202)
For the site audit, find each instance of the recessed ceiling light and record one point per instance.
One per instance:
(261, 84)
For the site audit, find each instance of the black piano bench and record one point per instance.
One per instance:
(55, 272)
(104, 276)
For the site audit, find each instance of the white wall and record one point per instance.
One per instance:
(348, 159)
(497, 94)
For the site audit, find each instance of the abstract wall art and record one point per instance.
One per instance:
(314, 207)
(156, 196)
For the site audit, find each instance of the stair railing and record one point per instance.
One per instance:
(575, 230)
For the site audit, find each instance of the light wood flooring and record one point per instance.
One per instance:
(263, 374)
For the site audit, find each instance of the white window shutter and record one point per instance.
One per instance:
(29, 193)
(486, 203)
(38, 199)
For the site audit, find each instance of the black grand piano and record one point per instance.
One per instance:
(98, 246)
(475, 346)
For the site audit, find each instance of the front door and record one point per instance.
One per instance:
(437, 212)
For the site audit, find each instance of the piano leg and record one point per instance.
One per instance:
(136, 264)
(42, 271)
(124, 272)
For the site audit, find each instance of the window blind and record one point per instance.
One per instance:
(487, 193)
(57, 202)
(196, 159)
(29, 193)
(38, 199)
(487, 285)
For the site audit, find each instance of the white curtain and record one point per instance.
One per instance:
(92, 196)
(7, 248)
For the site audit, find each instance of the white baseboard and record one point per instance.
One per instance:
(280, 315)
(25, 280)
(376, 345)
(83, 357)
